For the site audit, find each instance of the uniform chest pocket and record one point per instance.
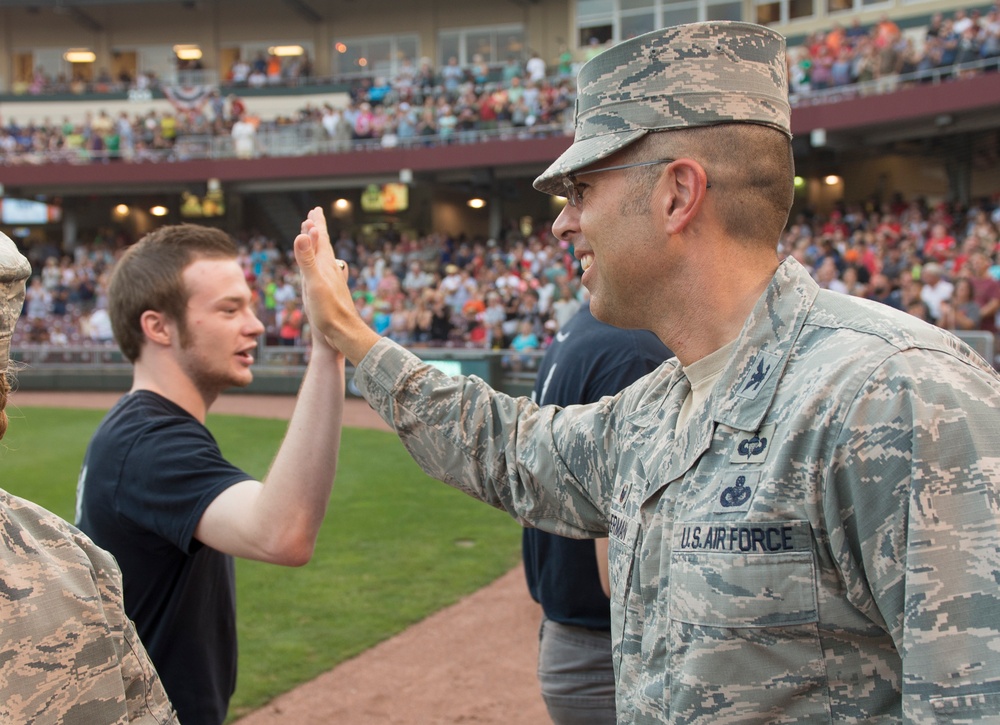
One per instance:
(744, 629)
(743, 575)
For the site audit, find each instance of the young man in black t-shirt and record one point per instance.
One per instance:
(155, 489)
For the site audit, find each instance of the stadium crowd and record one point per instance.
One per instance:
(428, 105)
(418, 105)
(939, 262)
(882, 56)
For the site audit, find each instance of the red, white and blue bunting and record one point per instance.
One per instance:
(188, 98)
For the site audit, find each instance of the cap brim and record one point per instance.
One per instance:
(582, 154)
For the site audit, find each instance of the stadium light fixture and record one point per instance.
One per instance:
(286, 51)
(79, 55)
(187, 52)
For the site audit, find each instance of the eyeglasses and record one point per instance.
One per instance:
(575, 196)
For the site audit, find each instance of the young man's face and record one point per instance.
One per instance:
(217, 346)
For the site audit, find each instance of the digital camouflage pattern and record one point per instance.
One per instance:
(700, 74)
(14, 270)
(821, 541)
(68, 653)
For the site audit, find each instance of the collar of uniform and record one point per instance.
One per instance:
(648, 410)
(743, 394)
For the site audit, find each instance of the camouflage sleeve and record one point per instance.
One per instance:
(916, 489)
(547, 467)
(69, 653)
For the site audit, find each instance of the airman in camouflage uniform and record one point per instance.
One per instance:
(68, 653)
(804, 506)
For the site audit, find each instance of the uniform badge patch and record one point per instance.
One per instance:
(735, 491)
(756, 376)
(753, 447)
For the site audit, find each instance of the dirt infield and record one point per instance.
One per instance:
(473, 662)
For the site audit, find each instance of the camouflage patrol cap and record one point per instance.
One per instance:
(699, 74)
(14, 270)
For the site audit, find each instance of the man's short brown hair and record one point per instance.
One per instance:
(149, 276)
(750, 167)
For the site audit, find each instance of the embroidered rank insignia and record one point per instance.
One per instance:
(735, 492)
(753, 447)
(759, 371)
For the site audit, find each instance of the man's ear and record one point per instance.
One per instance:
(157, 328)
(687, 184)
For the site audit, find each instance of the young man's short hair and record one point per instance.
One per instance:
(149, 276)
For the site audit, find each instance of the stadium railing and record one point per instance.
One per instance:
(279, 369)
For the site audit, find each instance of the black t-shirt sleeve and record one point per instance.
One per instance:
(640, 355)
(170, 476)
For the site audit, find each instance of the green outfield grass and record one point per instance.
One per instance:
(396, 545)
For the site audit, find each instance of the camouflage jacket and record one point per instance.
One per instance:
(820, 543)
(68, 653)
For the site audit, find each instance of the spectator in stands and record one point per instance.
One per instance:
(480, 71)
(940, 245)
(494, 316)
(840, 68)
(452, 76)
(291, 322)
(380, 91)
(949, 42)
(986, 291)
(594, 48)
(404, 80)
(535, 68)
(881, 290)
(935, 289)
(416, 279)
(524, 341)
(960, 312)
(363, 122)
(512, 69)
(38, 299)
(828, 276)
(244, 133)
(426, 77)
(401, 322)
(436, 325)
(886, 32)
(239, 74)
(968, 46)
(98, 327)
(989, 39)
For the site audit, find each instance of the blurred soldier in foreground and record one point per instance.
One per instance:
(68, 653)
